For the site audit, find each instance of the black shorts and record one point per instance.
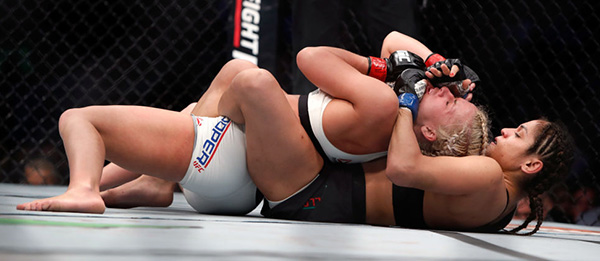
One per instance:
(337, 195)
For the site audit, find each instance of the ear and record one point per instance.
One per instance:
(532, 166)
(428, 133)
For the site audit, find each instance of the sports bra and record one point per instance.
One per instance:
(310, 110)
(408, 211)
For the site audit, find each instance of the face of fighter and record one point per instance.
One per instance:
(440, 107)
(510, 148)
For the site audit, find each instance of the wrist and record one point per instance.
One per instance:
(377, 68)
(409, 101)
(433, 58)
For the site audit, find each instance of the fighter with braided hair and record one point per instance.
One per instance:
(470, 193)
(428, 192)
(279, 156)
(350, 118)
(554, 146)
(521, 162)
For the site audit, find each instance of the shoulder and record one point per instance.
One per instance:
(459, 175)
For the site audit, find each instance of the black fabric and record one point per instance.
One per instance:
(408, 207)
(305, 121)
(408, 211)
(337, 195)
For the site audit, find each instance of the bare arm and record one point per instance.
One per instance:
(398, 41)
(406, 166)
(342, 74)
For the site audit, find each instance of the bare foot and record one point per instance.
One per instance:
(73, 200)
(145, 191)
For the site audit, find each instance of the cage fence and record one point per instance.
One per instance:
(535, 58)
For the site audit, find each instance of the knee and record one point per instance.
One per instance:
(306, 55)
(69, 116)
(238, 65)
(254, 82)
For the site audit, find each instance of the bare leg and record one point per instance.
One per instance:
(158, 192)
(145, 191)
(281, 158)
(121, 188)
(114, 175)
(209, 102)
(130, 136)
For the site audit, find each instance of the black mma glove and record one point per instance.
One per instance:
(411, 81)
(410, 87)
(454, 83)
(388, 69)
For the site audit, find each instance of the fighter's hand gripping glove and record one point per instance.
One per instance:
(433, 58)
(388, 69)
(454, 83)
(410, 87)
(411, 81)
(410, 101)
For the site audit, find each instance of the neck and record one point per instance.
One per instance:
(420, 138)
(513, 184)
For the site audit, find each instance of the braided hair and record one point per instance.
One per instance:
(555, 147)
(461, 139)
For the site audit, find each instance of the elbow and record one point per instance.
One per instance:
(400, 171)
(306, 56)
(391, 36)
(389, 42)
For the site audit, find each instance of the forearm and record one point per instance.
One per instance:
(340, 73)
(310, 58)
(397, 41)
(403, 151)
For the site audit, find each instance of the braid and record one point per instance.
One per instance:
(461, 139)
(555, 148)
(537, 212)
(480, 136)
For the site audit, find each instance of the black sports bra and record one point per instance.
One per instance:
(408, 211)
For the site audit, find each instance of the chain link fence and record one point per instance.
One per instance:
(56, 55)
(534, 57)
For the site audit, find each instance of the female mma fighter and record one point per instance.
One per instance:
(164, 144)
(472, 193)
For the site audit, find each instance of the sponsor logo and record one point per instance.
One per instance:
(246, 28)
(311, 203)
(210, 145)
(404, 56)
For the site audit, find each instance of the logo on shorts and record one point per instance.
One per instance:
(210, 145)
(311, 203)
(345, 161)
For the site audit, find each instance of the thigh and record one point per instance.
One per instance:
(207, 106)
(145, 140)
(114, 175)
(281, 158)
